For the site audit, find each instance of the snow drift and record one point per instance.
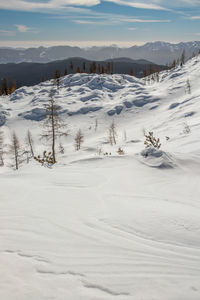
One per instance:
(100, 225)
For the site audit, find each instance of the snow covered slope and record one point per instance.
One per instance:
(105, 226)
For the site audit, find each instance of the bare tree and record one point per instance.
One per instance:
(157, 76)
(53, 124)
(108, 67)
(5, 87)
(112, 133)
(99, 150)
(131, 73)
(182, 59)
(79, 138)
(112, 67)
(1, 149)
(61, 148)
(71, 66)
(96, 125)
(57, 78)
(30, 145)
(186, 129)
(15, 150)
(173, 65)
(13, 86)
(99, 68)
(78, 70)
(188, 86)
(84, 66)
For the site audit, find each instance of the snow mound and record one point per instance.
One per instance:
(82, 94)
(155, 158)
(36, 114)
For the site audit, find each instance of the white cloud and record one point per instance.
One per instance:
(55, 5)
(49, 6)
(194, 18)
(132, 20)
(6, 32)
(113, 20)
(157, 4)
(190, 2)
(176, 3)
(74, 2)
(22, 28)
(85, 22)
(102, 21)
(72, 5)
(142, 5)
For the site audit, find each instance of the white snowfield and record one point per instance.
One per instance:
(95, 226)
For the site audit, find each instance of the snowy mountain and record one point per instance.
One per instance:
(99, 225)
(157, 52)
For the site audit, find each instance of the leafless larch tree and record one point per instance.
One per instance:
(15, 150)
(29, 145)
(54, 127)
(1, 149)
(112, 133)
(78, 139)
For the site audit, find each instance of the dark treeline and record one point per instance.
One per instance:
(33, 73)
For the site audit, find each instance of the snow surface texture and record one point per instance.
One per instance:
(105, 226)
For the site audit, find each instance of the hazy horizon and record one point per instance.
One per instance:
(86, 44)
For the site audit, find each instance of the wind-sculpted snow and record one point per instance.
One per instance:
(113, 95)
(174, 105)
(103, 223)
(82, 94)
(156, 158)
(36, 114)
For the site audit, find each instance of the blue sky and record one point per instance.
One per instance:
(25, 23)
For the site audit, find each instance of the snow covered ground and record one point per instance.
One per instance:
(105, 226)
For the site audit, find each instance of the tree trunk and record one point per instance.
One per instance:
(53, 135)
(16, 158)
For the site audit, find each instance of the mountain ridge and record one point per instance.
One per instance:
(157, 52)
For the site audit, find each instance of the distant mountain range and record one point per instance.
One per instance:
(157, 52)
(33, 73)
